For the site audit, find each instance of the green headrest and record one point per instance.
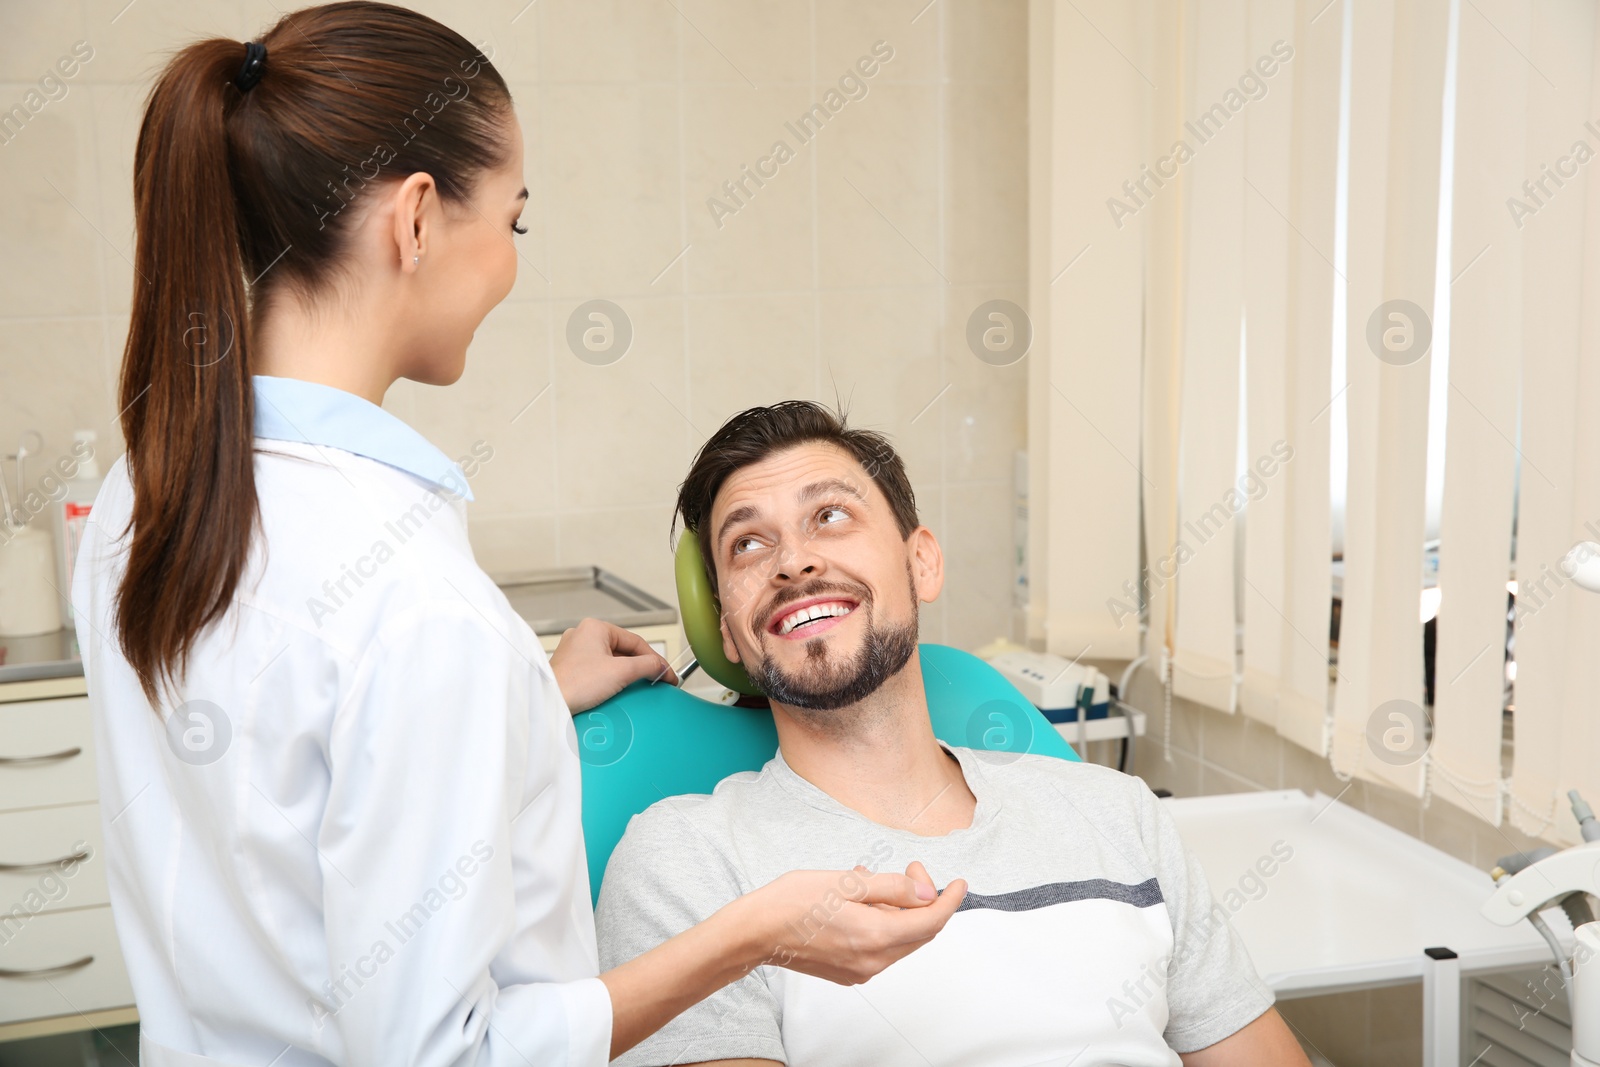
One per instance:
(702, 624)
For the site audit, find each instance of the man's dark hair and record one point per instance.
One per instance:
(756, 433)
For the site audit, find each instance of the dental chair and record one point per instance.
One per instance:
(654, 740)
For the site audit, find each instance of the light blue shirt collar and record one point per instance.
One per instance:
(289, 409)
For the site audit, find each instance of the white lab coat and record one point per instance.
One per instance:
(360, 841)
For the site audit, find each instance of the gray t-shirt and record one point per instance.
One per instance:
(1088, 930)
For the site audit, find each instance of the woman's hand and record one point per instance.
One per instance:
(846, 926)
(597, 660)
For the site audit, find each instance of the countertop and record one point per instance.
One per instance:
(549, 600)
(1330, 899)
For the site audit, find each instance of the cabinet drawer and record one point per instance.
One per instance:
(62, 963)
(33, 877)
(46, 753)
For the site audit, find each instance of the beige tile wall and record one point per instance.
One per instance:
(850, 273)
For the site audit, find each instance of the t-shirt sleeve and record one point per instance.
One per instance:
(666, 875)
(1213, 989)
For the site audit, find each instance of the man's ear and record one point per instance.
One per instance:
(729, 649)
(927, 564)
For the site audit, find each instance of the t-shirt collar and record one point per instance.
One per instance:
(790, 780)
(291, 409)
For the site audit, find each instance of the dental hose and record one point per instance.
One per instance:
(1561, 958)
(1500, 874)
(1588, 825)
(1577, 905)
(1126, 763)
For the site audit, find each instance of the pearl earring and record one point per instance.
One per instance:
(414, 260)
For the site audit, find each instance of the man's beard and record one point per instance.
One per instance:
(823, 686)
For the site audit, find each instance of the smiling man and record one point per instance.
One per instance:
(1088, 935)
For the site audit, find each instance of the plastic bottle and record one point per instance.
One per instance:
(72, 512)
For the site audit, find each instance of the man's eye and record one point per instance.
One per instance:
(738, 545)
(832, 509)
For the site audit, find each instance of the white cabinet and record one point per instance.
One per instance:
(50, 860)
(61, 967)
(46, 753)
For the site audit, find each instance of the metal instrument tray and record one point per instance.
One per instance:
(52, 655)
(555, 599)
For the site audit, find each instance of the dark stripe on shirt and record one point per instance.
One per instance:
(1142, 895)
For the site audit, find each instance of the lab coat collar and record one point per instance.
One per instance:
(290, 409)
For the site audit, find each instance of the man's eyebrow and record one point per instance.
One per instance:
(829, 485)
(809, 492)
(749, 511)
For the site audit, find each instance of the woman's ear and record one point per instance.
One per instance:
(927, 564)
(415, 203)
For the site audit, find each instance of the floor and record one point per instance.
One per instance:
(117, 1046)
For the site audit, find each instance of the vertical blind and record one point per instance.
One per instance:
(1269, 196)
(1293, 299)
(1396, 91)
(1557, 623)
(1085, 291)
(1212, 302)
(1485, 357)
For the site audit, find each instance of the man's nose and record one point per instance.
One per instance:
(798, 560)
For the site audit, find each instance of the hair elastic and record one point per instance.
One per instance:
(255, 61)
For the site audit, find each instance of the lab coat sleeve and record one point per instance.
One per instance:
(447, 738)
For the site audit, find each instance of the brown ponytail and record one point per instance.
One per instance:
(238, 196)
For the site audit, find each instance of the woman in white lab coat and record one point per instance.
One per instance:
(338, 775)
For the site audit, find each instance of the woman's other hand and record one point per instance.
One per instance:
(846, 926)
(596, 660)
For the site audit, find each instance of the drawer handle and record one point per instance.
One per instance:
(79, 856)
(53, 757)
(48, 972)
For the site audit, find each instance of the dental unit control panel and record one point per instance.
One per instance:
(1056, 685)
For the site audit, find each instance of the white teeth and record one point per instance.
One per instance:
(816, 611)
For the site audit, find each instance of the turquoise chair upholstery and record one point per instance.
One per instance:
(653, 741)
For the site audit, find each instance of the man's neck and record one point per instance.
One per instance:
(881, 758)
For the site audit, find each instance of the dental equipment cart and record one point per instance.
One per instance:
(1358, 904)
